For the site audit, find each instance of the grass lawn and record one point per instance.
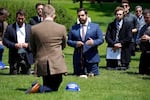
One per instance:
(109, 85)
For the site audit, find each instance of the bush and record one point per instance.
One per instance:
(63, 17)
(29, 6)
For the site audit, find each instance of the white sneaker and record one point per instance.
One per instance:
(83, 76)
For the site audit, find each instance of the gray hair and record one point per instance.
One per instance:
(138, 7)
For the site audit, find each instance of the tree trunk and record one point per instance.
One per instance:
(81, 3)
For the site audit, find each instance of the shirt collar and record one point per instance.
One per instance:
(48, 18)
(86, 24)
(21, 26)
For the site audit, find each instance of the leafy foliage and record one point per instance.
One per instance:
(29, 6)
(63, 17)
(109, 85)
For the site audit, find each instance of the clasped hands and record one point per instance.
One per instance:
(89, 42)
(21, 45)
(116, 46)
(145, 38)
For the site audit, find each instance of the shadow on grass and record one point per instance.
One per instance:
(2, 73)
(21, 89)
(131, 73)
(146, 78)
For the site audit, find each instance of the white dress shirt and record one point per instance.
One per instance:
(20, 33)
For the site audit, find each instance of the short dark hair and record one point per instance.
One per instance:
(146, 11)
(4, 11)
(82, 9)
(21, 12)
(38, 4)
(125, 1)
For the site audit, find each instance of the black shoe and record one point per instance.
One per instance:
(111, 68)
(14, 72)
(121, 68)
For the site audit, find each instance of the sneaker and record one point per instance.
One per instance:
(83, 76)
(2, 65)
(90, 74)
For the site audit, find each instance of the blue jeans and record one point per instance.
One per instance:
(1, 52)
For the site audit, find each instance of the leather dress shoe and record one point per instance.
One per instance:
(34, 89)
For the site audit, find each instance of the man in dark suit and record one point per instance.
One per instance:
(143, 39)
(48, 39)
(16, 38)
(85, 38)
(37, 19)
(118, 36)
(131, 18)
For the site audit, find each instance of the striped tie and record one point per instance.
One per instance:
(117, 32)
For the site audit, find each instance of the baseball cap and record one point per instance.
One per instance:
(72, 86)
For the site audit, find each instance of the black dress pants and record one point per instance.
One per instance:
(112, 63)
(144, 66)
(15, 68)
(52, 81)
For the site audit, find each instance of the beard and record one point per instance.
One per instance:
(82, 21)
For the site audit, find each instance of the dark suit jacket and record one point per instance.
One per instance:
(144, 46)
(90, 52)
(125, 38)
(34, 20)
(9, 40)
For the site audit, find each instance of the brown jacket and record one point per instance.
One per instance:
(47, 41)
(5, 24)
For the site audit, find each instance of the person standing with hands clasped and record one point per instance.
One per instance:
(48, 39)
(143, 39)
(85, 38)
(118, 36)
(16, 38)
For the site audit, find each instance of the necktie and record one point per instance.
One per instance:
(40, 19)
(83, 33)
(117, 32)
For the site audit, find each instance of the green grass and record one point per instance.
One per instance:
(109, 85)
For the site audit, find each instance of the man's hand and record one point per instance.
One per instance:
(24, 45)
(80, 43)
(1, 43)
(21, 45)
(145, 38)
(116, 46)
(18, 45)
(134, 30)
(90, 42)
